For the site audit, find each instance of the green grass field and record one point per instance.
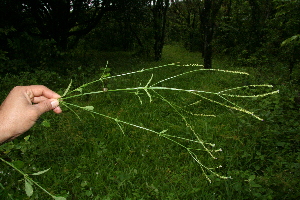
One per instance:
(97, 157)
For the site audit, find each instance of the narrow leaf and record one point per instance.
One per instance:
(88, 108)
(78, 89)
(290, 40)
(252, 184)
(40, 172)
(65, 104)
(59, 198)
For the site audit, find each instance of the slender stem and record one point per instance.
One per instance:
(27, 177)
(129, 73)
(153, 89)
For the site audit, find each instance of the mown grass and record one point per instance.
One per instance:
(93, 158)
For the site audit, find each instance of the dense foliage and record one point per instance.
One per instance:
(50, 42)
(241, 29)
(102, 162)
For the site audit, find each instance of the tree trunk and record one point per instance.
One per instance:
(159, 11)
(255, 29)
(208, 16)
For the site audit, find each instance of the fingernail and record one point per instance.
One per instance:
(54, 103)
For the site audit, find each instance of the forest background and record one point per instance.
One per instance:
(52, 42)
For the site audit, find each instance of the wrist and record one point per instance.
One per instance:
(4, 136)
(5, 132)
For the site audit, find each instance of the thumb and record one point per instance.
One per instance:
(47, 105)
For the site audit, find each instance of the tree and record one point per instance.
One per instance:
(199, 19)
(208, 17)
(137, 18)
(245, 27)
(288, 17)
(159, 11)
(147, 20)
(60, 19)
(291, 48)
(184, 23)
(138, 23)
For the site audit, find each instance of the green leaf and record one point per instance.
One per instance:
(106, 75)
(105, 69)
(252, 177)
(84, 183)
(163, 131)
(65, 104)
(289, 40)
(27, 138)
(28, 188)
(46, 123)
(88, 108)
(78, 89)
(40, 172)
(253, 184)
(59, 198)
(18, 164)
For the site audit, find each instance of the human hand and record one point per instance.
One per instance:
(22, 107)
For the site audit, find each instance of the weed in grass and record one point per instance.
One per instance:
(152, 91)
(181, 103)
(29, 182)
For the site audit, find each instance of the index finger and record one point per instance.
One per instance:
(40, 90)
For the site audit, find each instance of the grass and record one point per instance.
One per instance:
(93, 158)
